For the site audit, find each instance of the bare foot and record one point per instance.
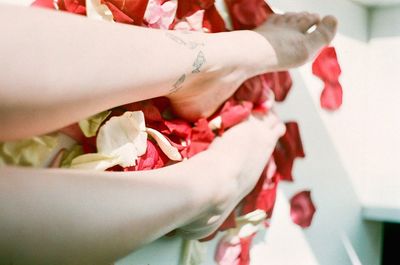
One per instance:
(293, 44)
(289, 44)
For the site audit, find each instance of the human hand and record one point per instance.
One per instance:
(239, 157)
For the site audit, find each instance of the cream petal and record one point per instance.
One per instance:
(96, 10)
(171, 151)
(94, 162)
(127, 155)
(91, 125)
(119, 131)
(124, 137)
(215, 123)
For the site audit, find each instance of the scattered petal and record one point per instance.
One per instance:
(152, 159)
(91, 125)
(165, 145)
(288, 148)
(34, 152)
(44, 3)
(248, 14)
(233, 113)
(94, 162)
(128, 12)
(95, 9)
(123, 136)
(160, 15)
(302, 209)
(327, 68)
(332, 96)
(326, 65)
(75, 151)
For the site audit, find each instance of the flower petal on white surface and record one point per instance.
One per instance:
(124, 137)
(171, 151)
(94, 162)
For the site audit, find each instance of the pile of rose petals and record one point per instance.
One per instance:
(166, 139)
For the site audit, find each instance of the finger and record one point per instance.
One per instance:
(323, 34)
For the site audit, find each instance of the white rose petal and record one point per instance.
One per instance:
(120, 141)
(171, 151)
(123, 136)
(96, 10)
(215, 123)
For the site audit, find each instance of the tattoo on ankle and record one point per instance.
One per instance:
(188, 44)
(175, 38)
(178, 84)
(199, 62)
(193, 45)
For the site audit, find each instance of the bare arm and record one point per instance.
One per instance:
(81, 217)
(58, 68)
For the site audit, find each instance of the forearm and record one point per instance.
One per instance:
(60, 68)
(85, 217)
(74, 217)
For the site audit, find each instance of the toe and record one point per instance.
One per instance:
(290, 16)
(304, 23)
(323, 34)
(293, 20)
(274, 18)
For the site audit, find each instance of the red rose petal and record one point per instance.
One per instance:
(326, 65)
(331, 96)
(327, 68)
(233, 113)
(288, 148)
(187, 8)
(245, 243)
(263, 195)
(128, 12)
(248, 14)
(150, 111)
(255, 90)
(73, 6)
(44, 3)
(152, 159)
(179, 128)
(280, 83)
(118, 15)
(302, 209)
(201, 132)
(213, 21)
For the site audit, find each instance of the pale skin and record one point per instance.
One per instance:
(76, 217)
